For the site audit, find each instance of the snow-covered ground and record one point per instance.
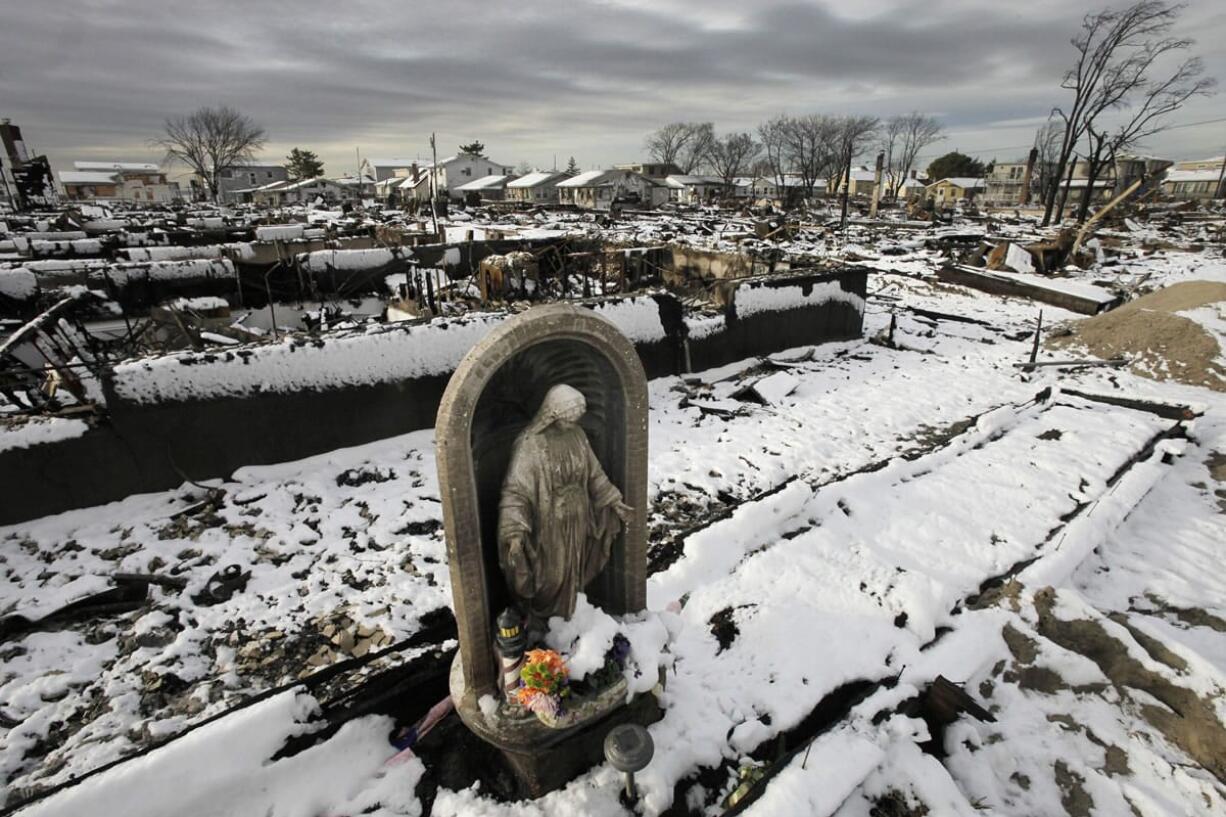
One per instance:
(839, 534)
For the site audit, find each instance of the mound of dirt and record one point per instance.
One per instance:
(1161, 344)
(1178, 297)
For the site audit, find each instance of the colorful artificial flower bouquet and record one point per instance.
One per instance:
(545, 682)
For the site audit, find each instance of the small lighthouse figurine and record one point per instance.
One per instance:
(511, 641)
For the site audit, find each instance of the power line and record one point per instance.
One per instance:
(1027, 147)
(984, 150)
(1194, 124)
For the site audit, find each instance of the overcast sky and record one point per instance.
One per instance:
(537, 78)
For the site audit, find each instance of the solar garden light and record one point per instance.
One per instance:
(628, 748)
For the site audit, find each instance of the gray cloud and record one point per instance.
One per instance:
(87, 79)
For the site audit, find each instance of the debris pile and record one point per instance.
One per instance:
(347, 638)
(1163, 333)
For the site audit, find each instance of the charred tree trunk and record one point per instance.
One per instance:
(1049, 206)
(1096, 165)
(877, 185)
(1068, 180)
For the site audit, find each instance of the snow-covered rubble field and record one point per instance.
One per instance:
(840, 534)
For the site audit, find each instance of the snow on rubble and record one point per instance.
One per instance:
(39, 430)
(376, 354)
(379, 354)
(752, 299)
(402, 351)
(846, 531)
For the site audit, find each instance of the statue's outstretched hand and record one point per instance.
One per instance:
(624, 512)
(521, 571)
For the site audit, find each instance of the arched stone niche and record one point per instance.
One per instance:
(491, 397)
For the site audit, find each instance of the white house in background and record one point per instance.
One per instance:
(767, 187)
(600, 189)
(454, 171)
(305, 191)
(88, 185)
(913, 187)
(757, 187)
(862, 181)
(388, 167)
(540, 187)
(485, 188)
(414, 184)
(652, 170)
(1195, 179)
(693, 189)
(359, 188)
(1102, 189)
(142, 182)
(1214, 164)
(418, 187)
(1192, 184)
(388, 187)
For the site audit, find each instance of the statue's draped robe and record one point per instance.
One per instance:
(558, 501)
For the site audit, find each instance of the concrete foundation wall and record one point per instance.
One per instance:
(152, 446)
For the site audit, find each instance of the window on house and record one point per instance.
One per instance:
(468, 171)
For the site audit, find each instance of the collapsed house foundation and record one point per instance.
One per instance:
(202, 413)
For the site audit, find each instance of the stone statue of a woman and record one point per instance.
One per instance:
(559, 513)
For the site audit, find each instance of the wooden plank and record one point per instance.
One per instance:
(996, 284)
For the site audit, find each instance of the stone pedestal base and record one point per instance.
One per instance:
(543, 758)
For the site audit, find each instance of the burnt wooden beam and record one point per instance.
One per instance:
(999, 284)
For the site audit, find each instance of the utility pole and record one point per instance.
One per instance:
(846, 193)
(434, 186)
(1221, 191)
(872, 210)
(1027, 175)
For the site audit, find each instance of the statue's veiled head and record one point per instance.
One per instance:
(563, 404)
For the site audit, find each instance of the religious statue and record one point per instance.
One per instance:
(559, 513)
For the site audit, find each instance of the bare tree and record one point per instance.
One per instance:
(855, 133)
(665, 144)
(888, 144)
(1047, 141)
(684, 144)
(1110, 47)
(1154, 100)
(902, 139)
(731, 155)
(697, 149)
(772, 134)
(812, 146)
(210, 141)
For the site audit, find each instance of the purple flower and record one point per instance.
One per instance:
(544, 705)
(619, 651)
